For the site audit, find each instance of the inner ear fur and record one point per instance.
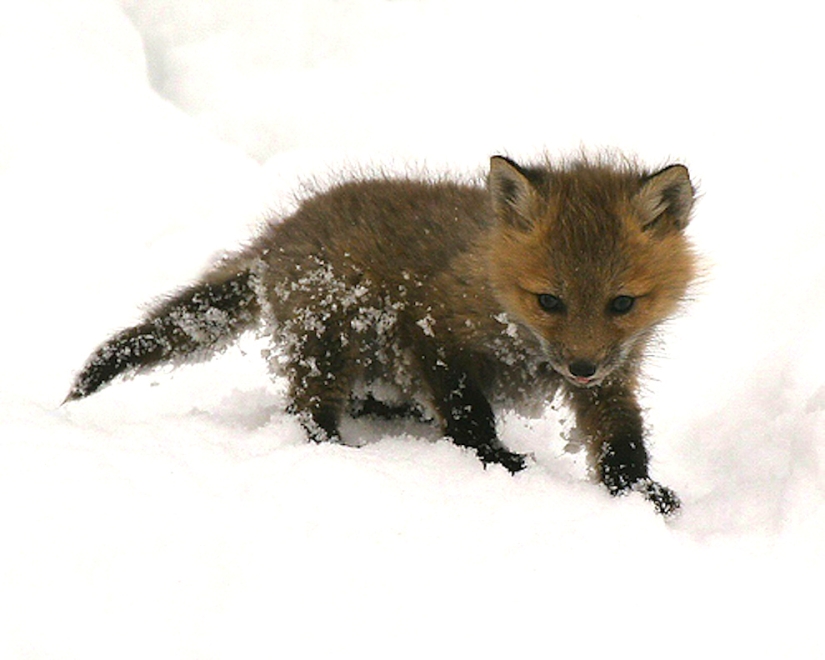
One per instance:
(513, 195)
(666, 199)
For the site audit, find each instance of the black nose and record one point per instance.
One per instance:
(582, 368)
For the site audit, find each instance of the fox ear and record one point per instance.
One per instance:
(512, 194)
(665, 200)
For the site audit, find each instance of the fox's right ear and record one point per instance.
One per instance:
(512, 194)
(665, 200)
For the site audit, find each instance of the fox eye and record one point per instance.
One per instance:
(622, 304)
(550, 303)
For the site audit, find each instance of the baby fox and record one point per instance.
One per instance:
(452, 300)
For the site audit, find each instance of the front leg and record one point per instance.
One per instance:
(466, 415)
(610, 417)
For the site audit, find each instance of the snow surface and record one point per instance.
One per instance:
(183, 515)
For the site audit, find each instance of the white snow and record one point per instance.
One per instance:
(183, 515)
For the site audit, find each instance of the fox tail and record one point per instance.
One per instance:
(191, 325)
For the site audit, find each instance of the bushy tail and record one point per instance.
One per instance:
(193, 324)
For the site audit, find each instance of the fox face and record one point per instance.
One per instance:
(590, 259)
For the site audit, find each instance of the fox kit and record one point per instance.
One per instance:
(452, 300)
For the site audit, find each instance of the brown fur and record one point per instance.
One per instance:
(455, 299)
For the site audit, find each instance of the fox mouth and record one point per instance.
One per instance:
(583, 381)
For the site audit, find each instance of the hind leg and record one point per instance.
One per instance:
(319, 387)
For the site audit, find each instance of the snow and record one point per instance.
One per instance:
(183, 514)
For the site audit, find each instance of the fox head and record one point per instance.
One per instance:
(590, 257)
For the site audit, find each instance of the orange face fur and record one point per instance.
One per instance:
(591, 258)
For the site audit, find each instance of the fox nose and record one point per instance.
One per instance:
(582, 368)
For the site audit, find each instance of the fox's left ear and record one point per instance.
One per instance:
(512, 194)
(665, 200)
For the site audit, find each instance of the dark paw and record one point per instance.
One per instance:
(663, 498)
(510, 460)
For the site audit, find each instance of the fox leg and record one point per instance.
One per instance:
(466, 415)
(319, 387)
(610, 416)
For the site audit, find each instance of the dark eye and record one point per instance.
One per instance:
(622, 304)
(550, 303)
